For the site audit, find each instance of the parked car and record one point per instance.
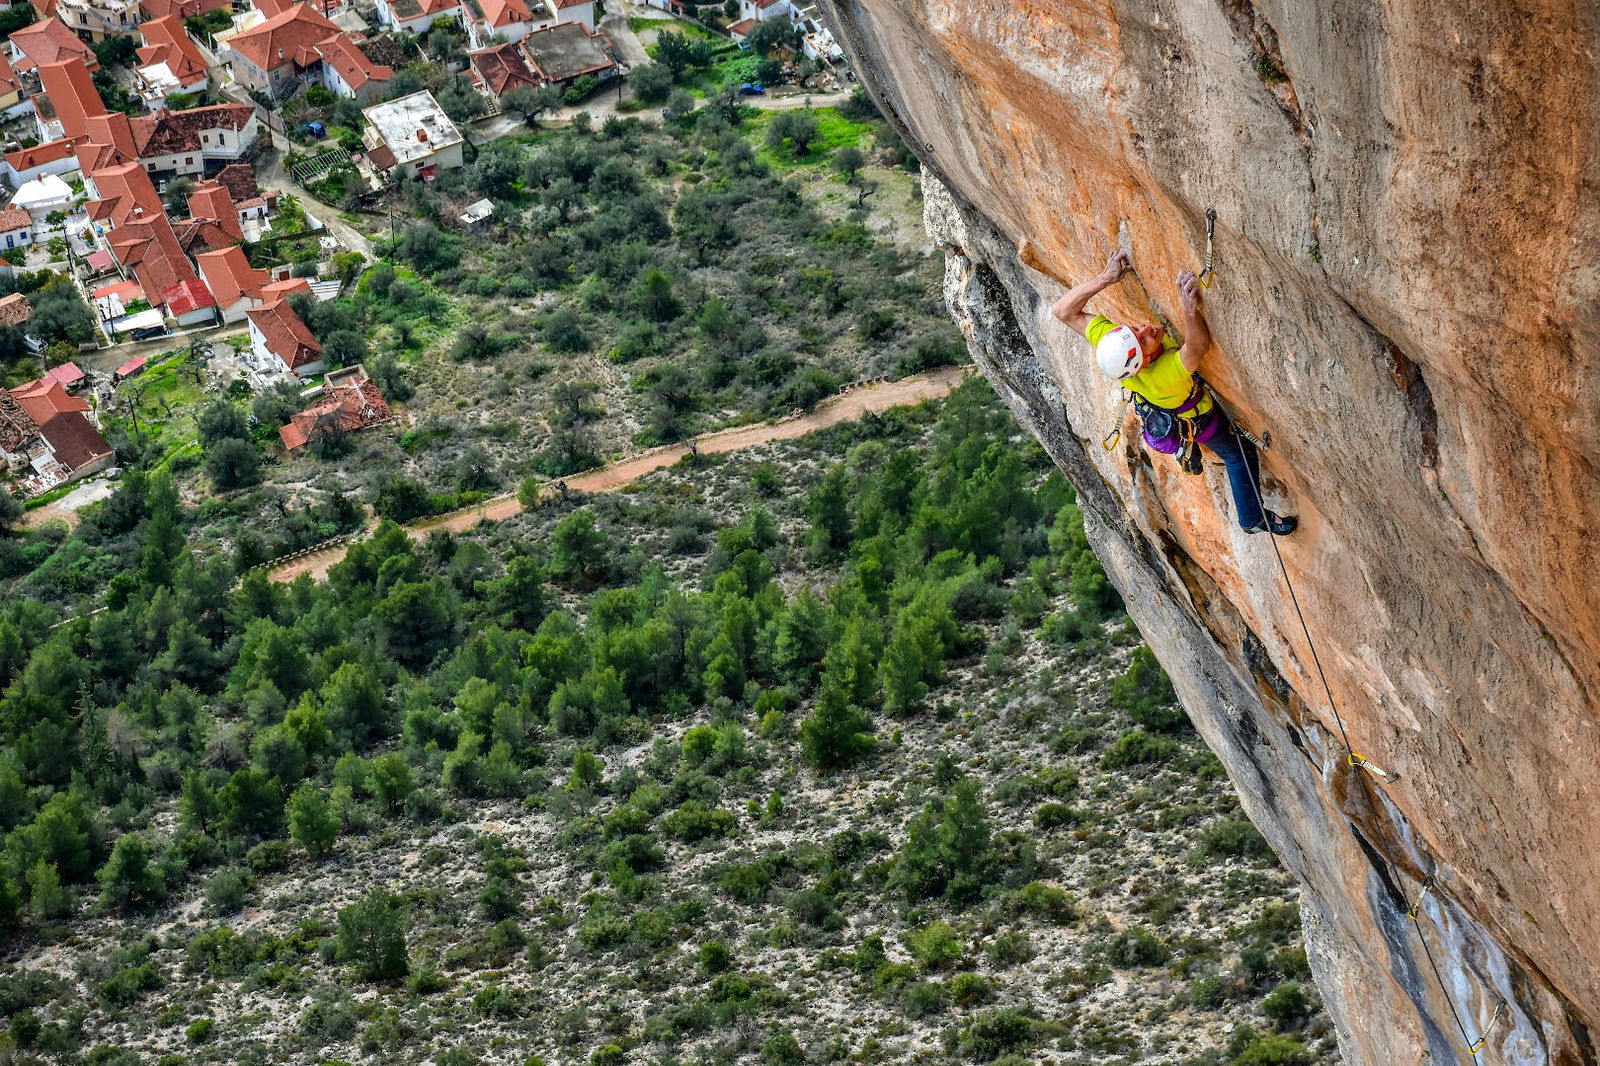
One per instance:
(752, 88)
(316, 129)
(148, 333)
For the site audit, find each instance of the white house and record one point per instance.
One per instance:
(41, 196)
(280, 343)
(183, 142)
(417, 16)
(412, 133)
(16, 228)
(762, 10)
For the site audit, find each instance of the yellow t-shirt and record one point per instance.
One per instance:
(1165, 382)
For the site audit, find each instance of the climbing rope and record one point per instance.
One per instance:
(1355, 758)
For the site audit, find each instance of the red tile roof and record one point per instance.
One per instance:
(126, 192)
(187, 296)
(39, 155)
(240, 181)
(230, 276)
(174, 132)
(742, 29)
(502, 68)
(150, 248)
(287, 337)
(205, 234)
(165, 41)
(9, 82)
(50, 41)
(68, 374)
(44, 399)
(351, 63)
(283, 38)
(182, 9)
(110, 143)
(16, 428)
(126, 291)
(15, 309)
(74, 441)
(210, 199)
(131, 367)
(72, 94)
(274, 8)
(14, 218)
(350, 405)
(502, 13)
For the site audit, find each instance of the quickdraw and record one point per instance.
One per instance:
(1109, 441)
(1208, 275)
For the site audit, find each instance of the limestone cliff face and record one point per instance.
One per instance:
(1407, 299)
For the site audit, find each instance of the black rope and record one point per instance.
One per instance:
(1445, 990)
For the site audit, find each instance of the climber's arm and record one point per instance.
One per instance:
(1197, 334)
(1070, 308)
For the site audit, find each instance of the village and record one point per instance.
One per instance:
(164, 182)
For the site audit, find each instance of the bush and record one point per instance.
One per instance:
(227, 890)
(969, 989)
(1053, 815)
(1145, 694)
(1287, 1003)
(935, 945)
(268, 857)
(1274, 1051)
(1137, 947)
(1137, 747)
(1048, 902)
(695, 821)
(1233, 838)
(199, 1030)
(997, 1033)
(782, 1049)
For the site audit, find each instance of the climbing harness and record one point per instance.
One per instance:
(1208, 275)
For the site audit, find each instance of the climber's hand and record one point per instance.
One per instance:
(1189, 292)
(1116, 266)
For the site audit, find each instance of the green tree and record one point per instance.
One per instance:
(232, 463)
(47, 898)
(129, 880)
(828, 508)
(652, 82)
(313, 824)
(198, 805)
(372, 936)
(390, 780)
(678, 52)
(251, 804)
(531, 102)
(797, 128)
(848, 162)
(1145, 694)
(577, 549)
(837, 734)
(948, 849)
(221, 420)
(416, 622)
(653, 296)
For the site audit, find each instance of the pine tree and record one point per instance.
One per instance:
(829, 511)
(838, 733)
(312, 821)
(372, 935)
(128, 880)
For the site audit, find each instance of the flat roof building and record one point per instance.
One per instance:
(412, 133)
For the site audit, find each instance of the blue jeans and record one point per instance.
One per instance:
(1244, 472)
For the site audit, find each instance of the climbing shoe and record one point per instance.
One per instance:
(1278, 527)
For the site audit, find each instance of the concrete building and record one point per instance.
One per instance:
(189, 142)
(412, 135)
(561, 54)
(28, 164)
(69, 99)
(418, 16)
(93, 20)
(47, 436)
(232, 280)
(47, 41)
(271, 57)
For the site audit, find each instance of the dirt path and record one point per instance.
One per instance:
(846, 407)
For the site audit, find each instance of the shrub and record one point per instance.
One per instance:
(921, 997)
(695, 821)
(1048, 901)
(714, 956)
(1233, 838)
(969, 989)
(226, 890)
(199, 1030)
(1287, 1003)
(1145, 694)
(1136, 747)
(782, 1049)
(997, 1033)
(372, 934)
(1274, 1051)
(1137, 947)
(268, 857)
(934, 945)
(1052, 815)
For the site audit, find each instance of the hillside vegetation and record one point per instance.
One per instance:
(838, 751)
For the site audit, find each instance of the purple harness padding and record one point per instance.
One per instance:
(1206, 425)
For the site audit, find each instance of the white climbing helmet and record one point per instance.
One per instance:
(1118, 353)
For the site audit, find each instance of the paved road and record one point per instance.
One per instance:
(846, 407)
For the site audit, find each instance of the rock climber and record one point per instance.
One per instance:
(1174, 405)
